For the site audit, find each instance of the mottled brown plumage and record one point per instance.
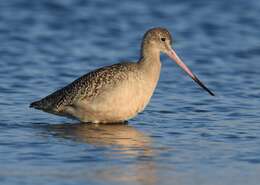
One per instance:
(118, 92)
(87, 86)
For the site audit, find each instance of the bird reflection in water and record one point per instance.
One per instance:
(123, 139)
(126, 138)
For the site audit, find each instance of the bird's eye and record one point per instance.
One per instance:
(163, 39)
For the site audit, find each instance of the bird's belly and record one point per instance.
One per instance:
(114, 105)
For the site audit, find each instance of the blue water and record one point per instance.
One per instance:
(183, 137)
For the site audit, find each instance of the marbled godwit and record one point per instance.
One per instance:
(118, 92)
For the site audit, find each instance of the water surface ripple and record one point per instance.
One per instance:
(183, 137)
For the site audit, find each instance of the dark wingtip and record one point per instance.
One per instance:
(35, 105)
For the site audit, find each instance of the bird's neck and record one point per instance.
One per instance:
(150, 56)
(150, 63)
(149, 51)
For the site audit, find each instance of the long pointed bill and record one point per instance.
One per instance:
(175, 57)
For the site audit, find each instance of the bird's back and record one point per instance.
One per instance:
(87, 86)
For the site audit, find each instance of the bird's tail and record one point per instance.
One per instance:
(36, 105)
(44, 105)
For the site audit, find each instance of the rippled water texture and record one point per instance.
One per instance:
(183, 137)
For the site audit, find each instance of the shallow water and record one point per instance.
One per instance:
(184, 136)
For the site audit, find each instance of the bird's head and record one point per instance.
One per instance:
(160, 40)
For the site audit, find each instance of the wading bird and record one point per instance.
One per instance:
(118, 92)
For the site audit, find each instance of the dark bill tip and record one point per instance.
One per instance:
(203, 86)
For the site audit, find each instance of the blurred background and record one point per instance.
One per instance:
(183, 137)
